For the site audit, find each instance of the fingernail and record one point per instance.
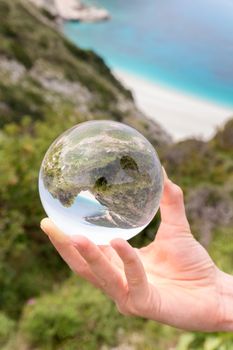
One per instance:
(43, 223)
(42, 228)
(164, 173)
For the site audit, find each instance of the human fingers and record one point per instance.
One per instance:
(67, 251)
(51, 230)
(172, 207)
(107, 275)
(112, 255)
(138, 287)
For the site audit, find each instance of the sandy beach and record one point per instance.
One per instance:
(182, 115)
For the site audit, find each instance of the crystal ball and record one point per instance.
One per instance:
(101, 179)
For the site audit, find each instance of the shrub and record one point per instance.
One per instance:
(77, 312)
(200, 341)
(6, 328)
(21, 55)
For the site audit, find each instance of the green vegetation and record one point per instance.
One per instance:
(6, 328)
(41, 305)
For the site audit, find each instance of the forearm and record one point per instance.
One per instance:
(226, 300)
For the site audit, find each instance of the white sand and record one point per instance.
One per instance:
(181, 115)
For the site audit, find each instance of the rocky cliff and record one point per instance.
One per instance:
(42, 73)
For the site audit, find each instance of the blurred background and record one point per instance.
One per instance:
(163, 67)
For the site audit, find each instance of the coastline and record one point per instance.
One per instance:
(182, 115)
(73, 10)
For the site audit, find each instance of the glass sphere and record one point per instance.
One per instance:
(102, 180)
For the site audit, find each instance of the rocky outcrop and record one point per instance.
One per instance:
(43, 74)
(208, 208)
(72, 10)
(12, 68)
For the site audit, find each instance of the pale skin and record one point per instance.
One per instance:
(173, 280)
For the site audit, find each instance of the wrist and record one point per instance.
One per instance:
(225, 286)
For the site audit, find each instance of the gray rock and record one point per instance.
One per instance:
(14, 69)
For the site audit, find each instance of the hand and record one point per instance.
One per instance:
(172, 280)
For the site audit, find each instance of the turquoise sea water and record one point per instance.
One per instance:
(184, 44)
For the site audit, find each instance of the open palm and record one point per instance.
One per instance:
(172, 280)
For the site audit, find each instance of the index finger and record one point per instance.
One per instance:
(107, 275)
(135, 274)
(67, 251)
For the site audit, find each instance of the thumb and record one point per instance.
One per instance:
(172, 207)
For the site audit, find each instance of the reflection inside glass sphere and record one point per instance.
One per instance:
(101, 179)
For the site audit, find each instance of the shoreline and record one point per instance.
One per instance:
(182, 115)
